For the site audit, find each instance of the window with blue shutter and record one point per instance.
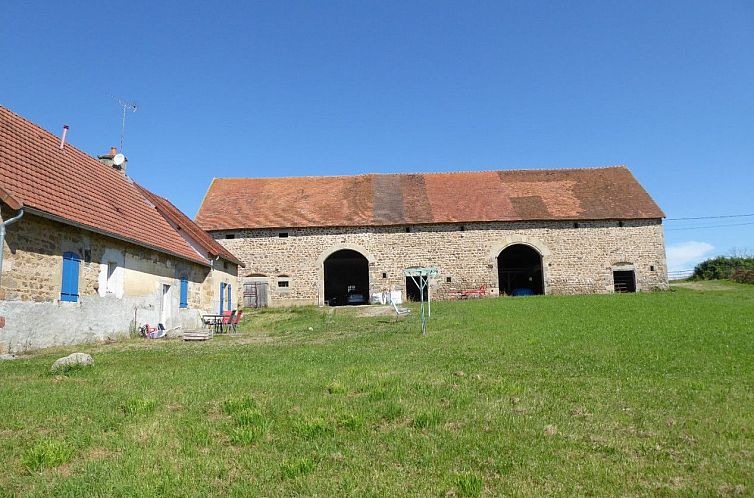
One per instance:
(184, 292)
(230, 301)
(222, 293)
(70, 289)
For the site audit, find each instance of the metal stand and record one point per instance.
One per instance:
(420, 277)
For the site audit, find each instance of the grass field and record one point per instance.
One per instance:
(586, 395)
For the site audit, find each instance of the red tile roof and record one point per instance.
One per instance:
(183, 222)
(73, 187)
(399, 199)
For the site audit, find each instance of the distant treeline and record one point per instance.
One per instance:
(740, 269)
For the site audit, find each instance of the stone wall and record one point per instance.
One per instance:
(32, 279)
(575, 259)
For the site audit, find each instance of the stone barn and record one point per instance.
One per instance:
(341, 239)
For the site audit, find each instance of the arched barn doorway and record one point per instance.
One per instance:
(346, 278)
(519, 270)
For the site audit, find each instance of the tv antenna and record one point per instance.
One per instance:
(126, 106)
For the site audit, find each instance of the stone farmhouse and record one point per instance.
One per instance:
(86, 251)
(339, 240)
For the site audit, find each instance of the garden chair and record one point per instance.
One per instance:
(400, 311)
(236, 320)
(227, 320)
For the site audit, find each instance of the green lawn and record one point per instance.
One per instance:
(622, 395)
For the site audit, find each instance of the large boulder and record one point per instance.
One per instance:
(72, 360)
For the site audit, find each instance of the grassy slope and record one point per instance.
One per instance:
(606, 395)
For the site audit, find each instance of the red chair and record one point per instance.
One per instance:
(236, 320)
(226, 320)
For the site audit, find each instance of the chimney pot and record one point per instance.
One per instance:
(65, 132)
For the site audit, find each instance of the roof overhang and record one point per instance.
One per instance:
(9, 200)
(52, 217)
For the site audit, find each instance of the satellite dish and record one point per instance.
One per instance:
(119, 159)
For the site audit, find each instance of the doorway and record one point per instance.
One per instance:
(412, 290)
(166, 311)
(519, 270)
(346, 278)
(624, 281)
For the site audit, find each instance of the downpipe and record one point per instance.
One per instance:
(2, 238)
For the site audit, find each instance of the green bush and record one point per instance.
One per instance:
(743, 276)
(722, 267)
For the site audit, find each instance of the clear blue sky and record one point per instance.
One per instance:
(325, 87)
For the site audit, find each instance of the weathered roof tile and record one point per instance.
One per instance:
(399, 199)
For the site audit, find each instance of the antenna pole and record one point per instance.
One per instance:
(122, 130)
(126, 106)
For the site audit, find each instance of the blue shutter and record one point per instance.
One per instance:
(184, 292)
(230, 301)
(69, 291)
(222, 294)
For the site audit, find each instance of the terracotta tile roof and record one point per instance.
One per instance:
(183, 222)
(74, 187)
(399, 199)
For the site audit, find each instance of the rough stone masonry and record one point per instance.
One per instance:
(576, 258)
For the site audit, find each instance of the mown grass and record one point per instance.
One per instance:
(603, 395)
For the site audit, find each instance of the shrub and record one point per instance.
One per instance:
(722, 267)
(743, 276)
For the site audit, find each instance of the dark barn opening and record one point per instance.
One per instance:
(624, 280)
(346, 278)
(412, 290)
(519, 269)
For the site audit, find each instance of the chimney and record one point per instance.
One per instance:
(110, 160)
(62, 138)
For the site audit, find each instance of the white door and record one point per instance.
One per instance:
(167, 302)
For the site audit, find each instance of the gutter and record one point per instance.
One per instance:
(2, 237)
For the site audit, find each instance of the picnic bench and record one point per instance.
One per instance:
(470, 293)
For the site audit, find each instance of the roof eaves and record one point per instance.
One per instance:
(9, 200)
(171, 217)
(59, 219)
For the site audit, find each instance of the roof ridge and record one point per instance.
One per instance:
(459, 172)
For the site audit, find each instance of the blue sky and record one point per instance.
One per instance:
(312, 88)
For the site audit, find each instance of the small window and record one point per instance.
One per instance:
(651, 267)
(575, 225)
(408, 229)
(448, 279)
(87, 256)
(384, 275)
(284, 283)
(230, 236)
(283, 235)
(620, 224)
(184, 292)
(463, 228)
(225, 265)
